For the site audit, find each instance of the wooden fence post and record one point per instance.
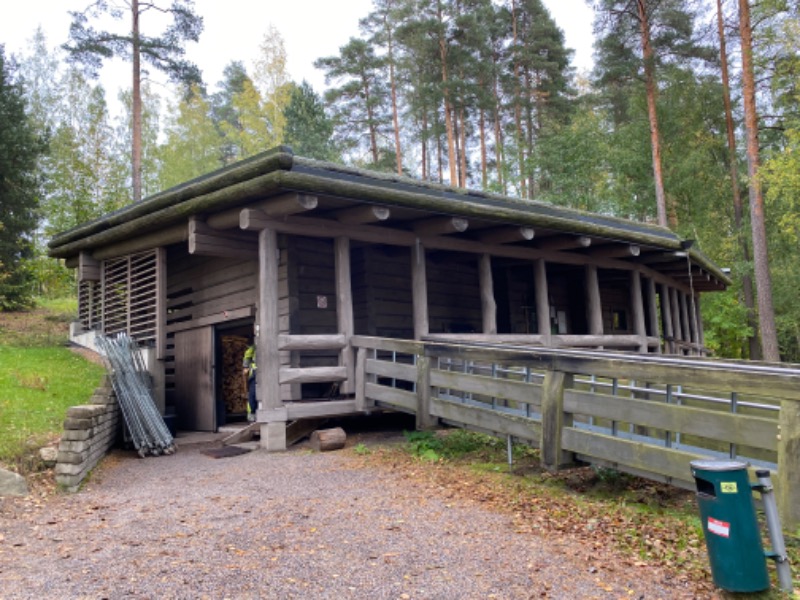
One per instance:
(787, 489)
(424, 418)
(554, 420)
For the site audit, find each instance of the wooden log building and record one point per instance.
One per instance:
(306, 254)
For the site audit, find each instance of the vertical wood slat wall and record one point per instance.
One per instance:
(125, 297)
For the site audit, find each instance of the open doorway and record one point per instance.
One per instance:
(231, 342)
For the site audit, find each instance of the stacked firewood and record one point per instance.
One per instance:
(233, 389)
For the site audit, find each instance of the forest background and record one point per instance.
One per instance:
(473, 93)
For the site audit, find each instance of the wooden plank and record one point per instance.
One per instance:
(312, 342)
(221, 317)
(393, 370)
(394, 397)
(390, 345)
(502, 389)
(762, 380)
(161, 303)
(312, 374)
(498, 338)
(666, 462)
(328, 408)
(757, 432)
(194, 380)
(488, 304)
(419, 291)
(487, 420)
(344, 310)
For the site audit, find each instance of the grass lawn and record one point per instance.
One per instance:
(40, 379)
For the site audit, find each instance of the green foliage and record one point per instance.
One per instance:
(309, 131)
(20, 148)
(725, 324)
(361, 449)
(452, 444)
(37, 386)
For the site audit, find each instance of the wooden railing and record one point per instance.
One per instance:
(644, 414)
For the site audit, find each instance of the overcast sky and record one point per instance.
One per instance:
(234, 29)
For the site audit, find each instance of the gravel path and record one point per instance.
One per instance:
(291, 525)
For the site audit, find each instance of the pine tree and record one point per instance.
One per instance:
(19, 152)
(309, 131)
(90, 47)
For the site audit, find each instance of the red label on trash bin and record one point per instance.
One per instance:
(721, 528)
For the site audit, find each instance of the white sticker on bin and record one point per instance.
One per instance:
(721, 528)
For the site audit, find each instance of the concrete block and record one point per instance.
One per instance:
(85, 411)
(76, 435)
(71, 423)
(78, 446)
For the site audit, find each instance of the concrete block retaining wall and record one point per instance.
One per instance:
(90, 430)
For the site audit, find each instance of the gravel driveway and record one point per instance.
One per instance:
(290, 525)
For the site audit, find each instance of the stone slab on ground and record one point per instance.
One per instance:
(12, 484)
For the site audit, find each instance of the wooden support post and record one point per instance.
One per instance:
(787, 488)
(666, 315)
(637, 306)
(698, 316)
(361, 379)
(554, 420)
(267, 355)
(488, 304)
(677, 331)
(594, 306)
(652, 310)
(685, 324)
(542, 300)
(424, 418)
(419, 291)
(344, 310)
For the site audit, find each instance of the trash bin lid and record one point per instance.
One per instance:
(719, 465)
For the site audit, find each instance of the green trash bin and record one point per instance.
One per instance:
(735, 551)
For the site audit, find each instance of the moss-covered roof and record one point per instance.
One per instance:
(280, 170)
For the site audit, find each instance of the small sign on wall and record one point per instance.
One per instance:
(322, 302)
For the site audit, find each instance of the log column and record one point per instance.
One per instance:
(698, 319)
(542, 300)
(652, 304)
(419, 291)
(677, 330)
(488, 304)
(666, 314)
(637, 305)
(273, 431)
(344, 310)
(594, 307)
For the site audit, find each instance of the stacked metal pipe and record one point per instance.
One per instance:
(131, 382)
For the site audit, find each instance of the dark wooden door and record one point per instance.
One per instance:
(194, 380)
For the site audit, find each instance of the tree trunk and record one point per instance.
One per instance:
(425, 169)
(517, 108)
(136, 107)
(738, 207)
(498, 135)
(484, 168)
(766, 312)
(325, 440)
(448, 117)
(373, 130)
(655, 137)
(395, 119)
(462, 171)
